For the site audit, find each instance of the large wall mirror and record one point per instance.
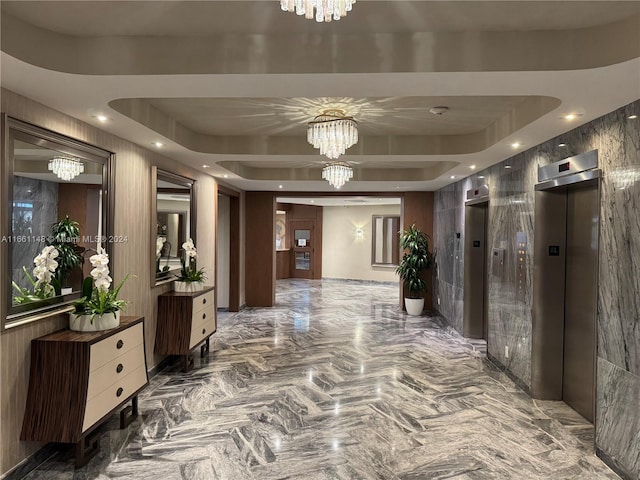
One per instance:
(54, 193)
(174, 214)
(385, 241)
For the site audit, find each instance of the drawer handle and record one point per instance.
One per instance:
(120, 344)
(204, 301)
(119, 391)
(204, 315)
(119, 368)
(204, 331)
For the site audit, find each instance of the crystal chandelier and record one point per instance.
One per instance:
(332, 132)
(337, 173)
(66, 168)
(326, 10)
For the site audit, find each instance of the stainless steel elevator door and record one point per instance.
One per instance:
(475, 271)
(580, 299)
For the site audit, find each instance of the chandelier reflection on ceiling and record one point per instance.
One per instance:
(337, 173)
(66, 168)
(325, 10)
(332, 132)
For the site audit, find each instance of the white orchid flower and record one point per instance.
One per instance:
(100, 259)
(45, 265)
(159, 245)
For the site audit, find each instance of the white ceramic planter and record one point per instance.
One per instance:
(83, 323)
(188, 287)
(414, 306)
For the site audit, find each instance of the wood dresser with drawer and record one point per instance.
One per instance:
(79, 379)
(185, 320)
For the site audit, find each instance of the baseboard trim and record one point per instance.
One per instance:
(613, 465)
(33, 461)
(496, 363)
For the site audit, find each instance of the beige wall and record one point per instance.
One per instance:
(345, 256)
(132, 218)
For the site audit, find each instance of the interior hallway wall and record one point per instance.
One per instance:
(222, 281)
(344, 255)
(131, 219)
(511, 210)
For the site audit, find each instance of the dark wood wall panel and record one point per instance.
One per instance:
(260, 249)
(282, 264)
(417, 207)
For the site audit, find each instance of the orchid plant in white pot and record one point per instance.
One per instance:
(191, 279)
(99, 308)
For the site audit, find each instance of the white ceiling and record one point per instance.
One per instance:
(340, 201)
(237, 103)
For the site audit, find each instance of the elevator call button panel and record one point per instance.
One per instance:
(521, 264)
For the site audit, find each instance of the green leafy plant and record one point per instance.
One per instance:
(43, 281)
(415, 261)
(97, 297)
(64, 237)
(189, 271)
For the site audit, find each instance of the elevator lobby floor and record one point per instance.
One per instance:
(336, 383)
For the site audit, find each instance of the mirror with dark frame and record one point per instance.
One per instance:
(56, 196)
(385, 241)
(174, 212)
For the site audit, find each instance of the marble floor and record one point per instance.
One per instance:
(336, 383)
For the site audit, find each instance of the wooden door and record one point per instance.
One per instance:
(302, 248)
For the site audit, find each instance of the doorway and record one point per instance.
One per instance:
(228, 250)
(303, 249)
(475, 324)
(565, 291)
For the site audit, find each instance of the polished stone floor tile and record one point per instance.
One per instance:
(335, 382)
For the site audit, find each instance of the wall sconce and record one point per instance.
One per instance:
(359, 233)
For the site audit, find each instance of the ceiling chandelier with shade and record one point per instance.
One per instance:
(325, 10)
(332, 132)
(337, 173)
(66, 168)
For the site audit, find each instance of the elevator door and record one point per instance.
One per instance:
(580, 303)
(475, 271)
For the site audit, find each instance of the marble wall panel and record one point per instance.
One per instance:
(36, 209)
(617, 407)
(511, 216)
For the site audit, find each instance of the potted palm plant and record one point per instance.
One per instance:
(416, 259)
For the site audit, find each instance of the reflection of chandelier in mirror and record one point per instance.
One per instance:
(337, 173)
(332, 132)
(66, 168)
(326, 10)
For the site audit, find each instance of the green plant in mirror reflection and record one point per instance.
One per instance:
(44, 283)
(65, 235)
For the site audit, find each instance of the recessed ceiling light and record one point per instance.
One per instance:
(205, 166)
(562, 144)
(225, 176)
(158, 144)
(102, 118)
(507, 166)
(572, 116)
(472, 167)
(452, 177)
(480, 176)
(516, 145)
(313, 201)
(632, 117)
(279, 186)
(438, 110)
